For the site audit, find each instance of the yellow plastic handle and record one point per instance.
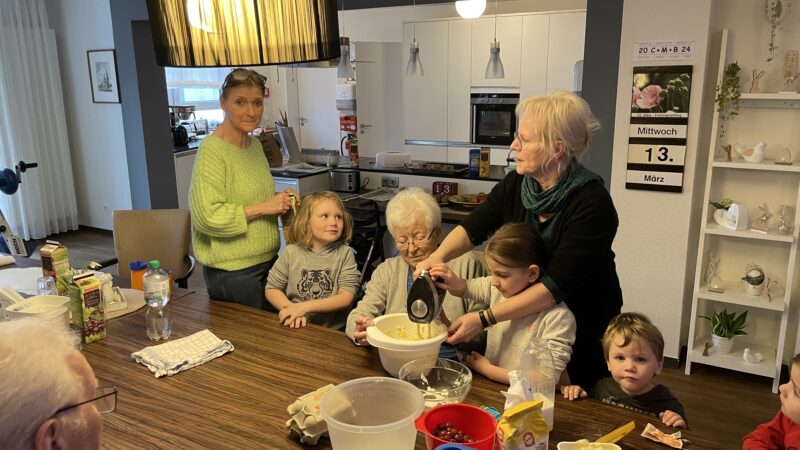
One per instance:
(617, 434)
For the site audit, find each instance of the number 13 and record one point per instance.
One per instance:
(663, 156)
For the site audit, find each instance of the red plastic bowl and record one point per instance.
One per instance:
(479, 424)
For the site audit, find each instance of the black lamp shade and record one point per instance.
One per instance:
(209, 33)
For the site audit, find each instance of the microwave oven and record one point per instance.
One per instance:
(493, 119)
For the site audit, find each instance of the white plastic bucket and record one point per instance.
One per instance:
(372, 413)
(53, 308)
(395, 352)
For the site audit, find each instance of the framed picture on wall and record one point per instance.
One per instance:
(103, 75)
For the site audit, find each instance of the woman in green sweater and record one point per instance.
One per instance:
(232, 198)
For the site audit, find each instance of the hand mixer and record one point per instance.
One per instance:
(424, 303)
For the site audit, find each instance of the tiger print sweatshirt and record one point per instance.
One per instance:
(303, 274)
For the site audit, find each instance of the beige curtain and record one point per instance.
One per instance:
(32, 123)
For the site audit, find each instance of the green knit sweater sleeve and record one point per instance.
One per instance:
(212, 212)
(225, 179)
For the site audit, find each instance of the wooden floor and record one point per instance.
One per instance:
(723, 403)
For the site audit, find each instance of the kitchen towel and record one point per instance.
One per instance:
(181, 354)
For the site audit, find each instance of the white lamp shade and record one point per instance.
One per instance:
(345, 69)
(470, 9)
(494, 69)
(414, 67)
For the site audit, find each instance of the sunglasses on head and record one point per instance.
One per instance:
(245, 74)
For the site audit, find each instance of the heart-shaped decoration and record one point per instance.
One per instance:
(736, 217)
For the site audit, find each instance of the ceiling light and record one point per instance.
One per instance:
(208, 33)
(494, 69)
(414, 66)
(345, 69)
(470, 9)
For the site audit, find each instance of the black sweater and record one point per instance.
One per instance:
(581, 262)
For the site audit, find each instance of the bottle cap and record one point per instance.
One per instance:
(154, 264)
(137, 265)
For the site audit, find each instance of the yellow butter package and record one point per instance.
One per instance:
(523, 428)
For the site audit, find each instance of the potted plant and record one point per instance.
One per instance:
(724, 327)
(727, 100)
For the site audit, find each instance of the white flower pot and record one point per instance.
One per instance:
(722, 345)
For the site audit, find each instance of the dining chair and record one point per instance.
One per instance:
(162, 234)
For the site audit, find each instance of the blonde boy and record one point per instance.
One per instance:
(634, 351)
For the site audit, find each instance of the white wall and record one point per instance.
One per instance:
(97, 145)
(655, 241)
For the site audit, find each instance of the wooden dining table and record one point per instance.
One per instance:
(239, 400)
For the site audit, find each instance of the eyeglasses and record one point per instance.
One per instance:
(105, 398)
(403, 243)
(244, 74)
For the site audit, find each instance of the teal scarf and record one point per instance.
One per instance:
(552, 200)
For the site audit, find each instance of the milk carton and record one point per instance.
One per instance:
(55, 262)
(88, 307)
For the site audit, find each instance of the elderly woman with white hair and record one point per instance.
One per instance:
(568, 206)
(414, 221)
(48, 392)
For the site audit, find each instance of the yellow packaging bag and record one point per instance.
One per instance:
(523, 428)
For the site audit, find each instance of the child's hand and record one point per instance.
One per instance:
(447, 279)
(672, 419)
(573, 392)
(289, 316)
(477, 361)
(360, 335)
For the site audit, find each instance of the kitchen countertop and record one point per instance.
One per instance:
(192, 145)
(496, 173)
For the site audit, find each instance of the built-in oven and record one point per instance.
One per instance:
(493, 118)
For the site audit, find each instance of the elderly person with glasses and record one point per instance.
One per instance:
(568, 206)
(414, 221)
(49, 396)
(233, 201)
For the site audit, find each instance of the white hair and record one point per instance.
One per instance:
(410, 205)
(36, 378)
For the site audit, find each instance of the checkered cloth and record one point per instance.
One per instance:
(181, 354)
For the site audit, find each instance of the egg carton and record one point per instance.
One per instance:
(306, 422)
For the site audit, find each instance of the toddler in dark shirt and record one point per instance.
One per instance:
(634, 351)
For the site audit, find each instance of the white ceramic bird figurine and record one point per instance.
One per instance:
(751, 154)
(752, 357)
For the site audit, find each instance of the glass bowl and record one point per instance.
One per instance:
(441, 380)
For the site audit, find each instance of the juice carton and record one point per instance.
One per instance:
(55, 262)
(88, 307)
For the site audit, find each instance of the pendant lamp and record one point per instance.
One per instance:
(414, 66)
(209, 33)
(494, 69)
(345, 69)
(470, 9)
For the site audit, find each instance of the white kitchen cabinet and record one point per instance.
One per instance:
(534, 63)
(565, 47)
(769, 117)
(509, 35)
(425, 97)
(434, 153)
(184, 163)
(458, 81)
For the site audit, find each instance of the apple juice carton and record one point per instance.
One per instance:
(88, 307)
(55, 262)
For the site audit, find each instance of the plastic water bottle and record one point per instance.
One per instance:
(537, 366)
(156, 294)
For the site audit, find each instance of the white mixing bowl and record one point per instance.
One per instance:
(53, 308)
(396, 352)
